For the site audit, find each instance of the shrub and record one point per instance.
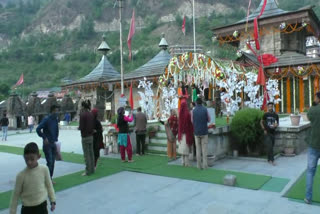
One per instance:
(114, 119)
(246, 130)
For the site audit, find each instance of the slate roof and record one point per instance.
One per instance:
(271, 10)
(154, 67)
(291, 58)
(288, 58)
(103, 71)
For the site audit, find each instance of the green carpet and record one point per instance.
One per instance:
(150, 164)
(244, 180)
(297, 191)
(275, 184)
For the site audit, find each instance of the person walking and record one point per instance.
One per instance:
(30, 123)
(172, 143)
(269, 123)
(86, 127)
(48, 130)
(185, 133)
(4, 125)
(33, 185)
(141, 129)
(123, 135)
(314, 146)
(97, 137)
(200, 119)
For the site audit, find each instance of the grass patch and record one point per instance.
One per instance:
(275, 184)
(222, 121)
(150, 164)
(244, 180)
(297, 191)
(74, 123)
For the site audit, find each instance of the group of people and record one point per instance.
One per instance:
(189, 128)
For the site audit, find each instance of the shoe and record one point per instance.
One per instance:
(84, 174)
(137, 154)
(123, 161)
(307, 201)
(130, 161)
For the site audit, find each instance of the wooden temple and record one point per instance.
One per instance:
(284, 34)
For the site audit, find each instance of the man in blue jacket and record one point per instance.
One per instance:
(48, 130)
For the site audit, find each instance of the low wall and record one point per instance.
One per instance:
(219, 141)
(287, 134)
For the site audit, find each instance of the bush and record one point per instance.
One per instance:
(246, 130)
(114, 119)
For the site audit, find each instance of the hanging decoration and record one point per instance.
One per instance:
(288, 29)
(170, 100)
(146, 101)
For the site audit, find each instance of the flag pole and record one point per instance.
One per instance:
(121, 47)
(194, 28)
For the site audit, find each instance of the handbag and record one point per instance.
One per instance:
(169, 133)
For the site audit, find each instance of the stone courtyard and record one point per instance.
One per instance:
(136, 192)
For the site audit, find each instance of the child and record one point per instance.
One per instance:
(33, 185)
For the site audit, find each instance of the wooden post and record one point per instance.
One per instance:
(288, 95)
(301, 94)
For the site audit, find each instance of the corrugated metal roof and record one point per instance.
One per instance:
(103, 71)
(291, 58)
(271, 9)
(154, 67)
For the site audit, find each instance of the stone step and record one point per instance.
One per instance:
(158, 144)
(160, 134)
(162, 128)
(156, 152)
(158, 140)
(157, 148)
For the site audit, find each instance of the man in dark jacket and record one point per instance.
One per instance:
(200, 118)
(141, 128)
(314, 146)
(269, 123)
(4, 124)
(48, 130)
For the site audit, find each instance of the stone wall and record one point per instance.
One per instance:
(291, 135)
(219, 141)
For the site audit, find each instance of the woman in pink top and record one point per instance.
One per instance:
(123, 135)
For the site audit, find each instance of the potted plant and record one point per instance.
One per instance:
(304, 114)
(289, 148)
(295, 118)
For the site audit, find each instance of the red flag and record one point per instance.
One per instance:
(20, 81)
(265, 98)
(131, 97)
(261, 79)
(131, 33)
(184, 26)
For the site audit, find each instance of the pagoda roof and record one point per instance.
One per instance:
(292, 58)
(154, 67)
(288, 58)
(271, 10)
(273, 14)
(103, 71)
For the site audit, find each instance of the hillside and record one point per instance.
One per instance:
(49, 40)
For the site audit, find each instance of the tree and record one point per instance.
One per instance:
(4, 90)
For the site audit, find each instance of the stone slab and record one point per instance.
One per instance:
(11, 165)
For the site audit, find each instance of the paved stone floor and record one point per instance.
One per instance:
(129, 192)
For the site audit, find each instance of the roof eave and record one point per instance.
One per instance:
(291, 15)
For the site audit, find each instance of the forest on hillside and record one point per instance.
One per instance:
(34, 54)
